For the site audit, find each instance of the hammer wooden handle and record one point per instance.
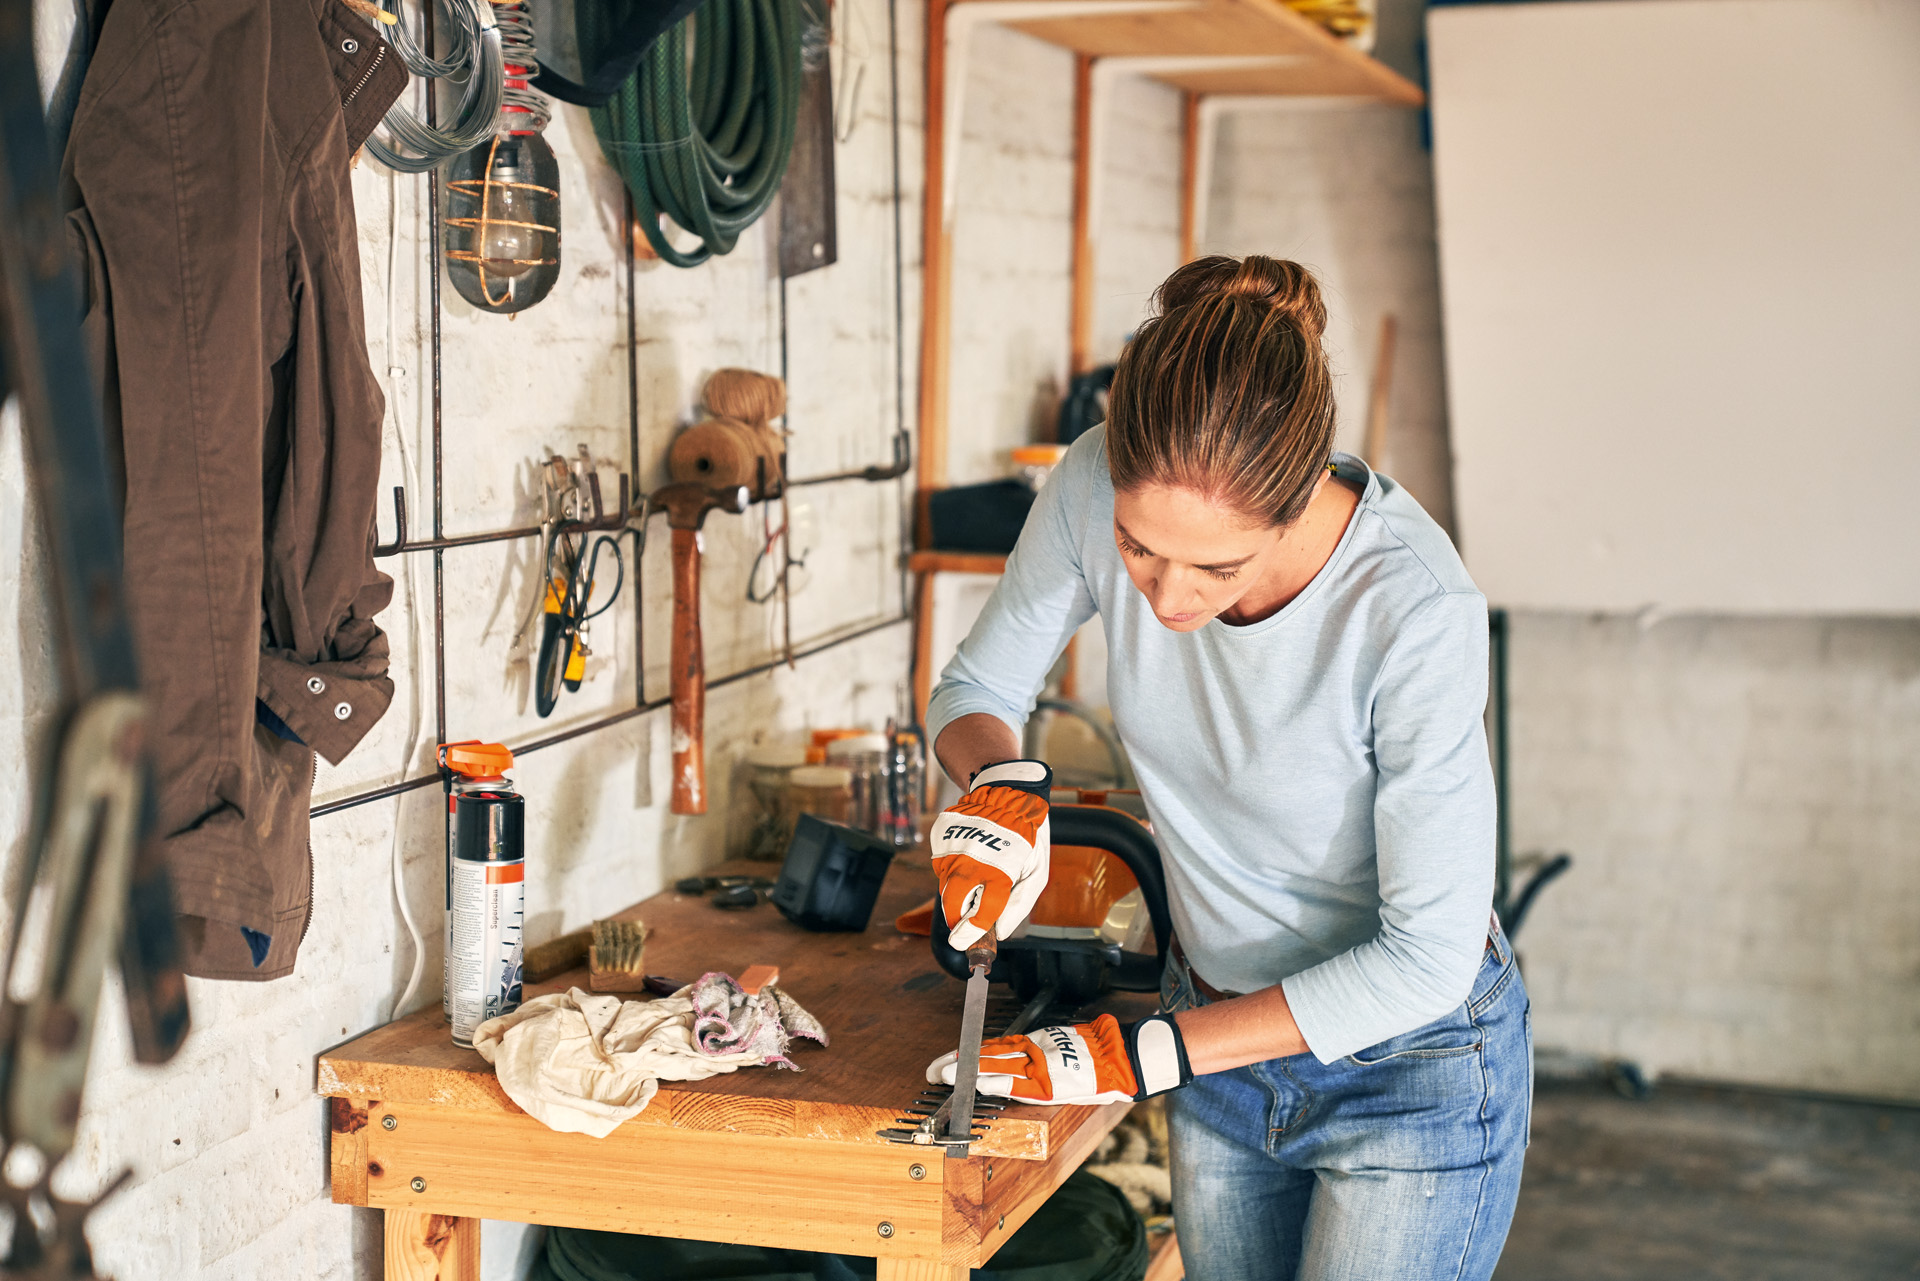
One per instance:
(689, 679)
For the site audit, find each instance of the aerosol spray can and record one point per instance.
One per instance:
(467, 766)
(487, 898)
(484, 953)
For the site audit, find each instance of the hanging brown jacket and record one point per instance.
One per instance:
(209, 158)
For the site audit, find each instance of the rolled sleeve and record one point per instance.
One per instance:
(332, 703)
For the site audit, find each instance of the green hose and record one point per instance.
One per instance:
(704, 140)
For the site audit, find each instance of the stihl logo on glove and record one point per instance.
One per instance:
(985, 838)
(1097, 1062)
(1066, 1044)
(990, 851)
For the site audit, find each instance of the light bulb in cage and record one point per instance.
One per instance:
(503, 196)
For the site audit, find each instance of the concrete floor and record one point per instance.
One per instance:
(1701, 1183)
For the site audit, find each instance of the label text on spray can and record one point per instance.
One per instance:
(485, 952)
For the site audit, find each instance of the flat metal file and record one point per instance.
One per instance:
(966, 1068)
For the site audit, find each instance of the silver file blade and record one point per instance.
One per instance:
(966, 1069)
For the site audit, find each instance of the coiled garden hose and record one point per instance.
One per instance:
(473, 55)
(705, 140)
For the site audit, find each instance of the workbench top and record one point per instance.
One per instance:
(888, 1009)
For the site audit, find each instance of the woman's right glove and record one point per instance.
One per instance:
(990, 851)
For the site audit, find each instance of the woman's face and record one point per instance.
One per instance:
(1191, 558)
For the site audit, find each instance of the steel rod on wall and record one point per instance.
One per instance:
(615, 718)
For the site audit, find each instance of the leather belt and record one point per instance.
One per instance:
(1200, 985)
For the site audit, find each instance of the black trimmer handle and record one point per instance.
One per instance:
(1120, 835)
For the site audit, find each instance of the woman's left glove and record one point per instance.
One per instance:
(1104, 1061)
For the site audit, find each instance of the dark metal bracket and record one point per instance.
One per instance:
(602, 522)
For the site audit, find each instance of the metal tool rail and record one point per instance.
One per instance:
(621, 519)
(616, 718)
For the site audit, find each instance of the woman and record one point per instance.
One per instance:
(1297, 666)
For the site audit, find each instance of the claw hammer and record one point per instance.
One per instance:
(687, 506)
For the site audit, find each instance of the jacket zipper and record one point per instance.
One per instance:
(365, 76)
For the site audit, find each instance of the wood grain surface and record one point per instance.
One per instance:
(888, 1009)
(919, 1270)
(423, 1246)
(688, 665)
(741, 1188)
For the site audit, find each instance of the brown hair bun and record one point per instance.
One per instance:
(1285, 286)
(1227, 391)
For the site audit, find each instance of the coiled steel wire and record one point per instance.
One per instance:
(474, 56)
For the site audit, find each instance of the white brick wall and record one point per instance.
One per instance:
(229, 1141)
(1011, 240)
(1348, 191)
(1137, 236)
(1742, 801)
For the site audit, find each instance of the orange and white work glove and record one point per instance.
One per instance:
(990, 851)
(1104, 1061)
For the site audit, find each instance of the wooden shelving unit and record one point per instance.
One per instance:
(1208, 49)
(1305, 60)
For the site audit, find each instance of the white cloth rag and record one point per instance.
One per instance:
(583, 1063)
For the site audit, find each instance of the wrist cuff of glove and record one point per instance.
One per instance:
(1028, 776)
(1158, 1054)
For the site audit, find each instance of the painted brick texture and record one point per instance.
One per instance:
(1742, 801)
(229, 1141)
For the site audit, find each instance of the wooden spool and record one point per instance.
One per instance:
(721, 453)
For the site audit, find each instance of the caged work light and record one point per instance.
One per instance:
(503, 196)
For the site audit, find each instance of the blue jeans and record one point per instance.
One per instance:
(1399, 1163)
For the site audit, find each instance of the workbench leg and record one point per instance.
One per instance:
(432, 1247)
(919, 1270)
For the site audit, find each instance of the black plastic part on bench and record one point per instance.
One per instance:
(1080, 969)
(831, 878)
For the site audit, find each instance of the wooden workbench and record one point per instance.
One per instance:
(421, 1128)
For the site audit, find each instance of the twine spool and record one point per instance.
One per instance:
(721, 453)
(745, 395)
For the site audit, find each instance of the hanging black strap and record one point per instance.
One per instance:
(44, 358)
(629, 30)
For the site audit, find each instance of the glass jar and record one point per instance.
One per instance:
(906, 784)
(824, 791)
(759, 826)
(864, 757)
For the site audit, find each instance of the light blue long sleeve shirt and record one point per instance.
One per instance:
(1318, 781)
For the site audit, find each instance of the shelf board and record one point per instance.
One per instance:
(956, 563)
(1307, 60)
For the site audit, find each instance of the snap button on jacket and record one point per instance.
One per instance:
(209, 158)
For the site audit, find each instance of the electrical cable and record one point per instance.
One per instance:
(475, 57)
(704, 137)
(415, 716)
(522, 107)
